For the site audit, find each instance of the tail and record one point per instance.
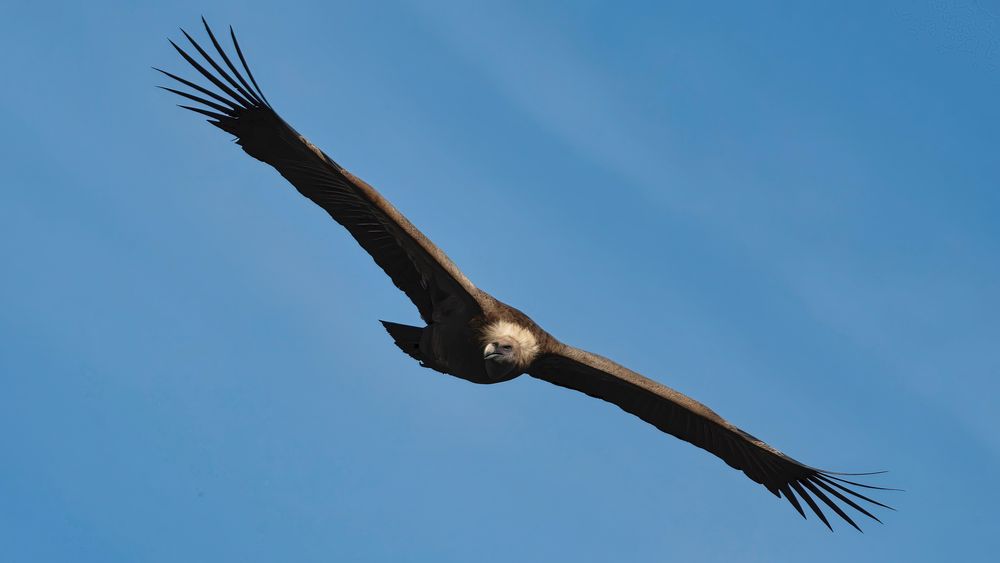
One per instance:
(406, 337)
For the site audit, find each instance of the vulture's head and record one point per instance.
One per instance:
(508, 349)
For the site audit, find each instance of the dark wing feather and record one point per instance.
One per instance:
(416, 266)
(691, 421)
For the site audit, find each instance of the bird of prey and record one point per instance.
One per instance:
(469, 333)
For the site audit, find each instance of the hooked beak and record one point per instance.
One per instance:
(491, 352)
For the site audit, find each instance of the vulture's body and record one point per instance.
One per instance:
(468, 333)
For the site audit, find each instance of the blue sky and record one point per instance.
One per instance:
(787, 212)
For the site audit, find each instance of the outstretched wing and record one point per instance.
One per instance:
(416, 266)
(691, 421)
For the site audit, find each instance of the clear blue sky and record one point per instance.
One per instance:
(787, 212)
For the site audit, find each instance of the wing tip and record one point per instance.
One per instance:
(228, 96)
(828, 489)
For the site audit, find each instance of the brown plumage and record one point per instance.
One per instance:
(470, 334)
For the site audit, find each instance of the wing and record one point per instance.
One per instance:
(416, 266)
(691, 421)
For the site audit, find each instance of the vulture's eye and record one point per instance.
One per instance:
(506, 347)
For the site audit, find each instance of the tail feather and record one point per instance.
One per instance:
(406, 337)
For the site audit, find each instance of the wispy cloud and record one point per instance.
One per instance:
(541, 72)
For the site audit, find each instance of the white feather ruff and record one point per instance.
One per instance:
(527, 345)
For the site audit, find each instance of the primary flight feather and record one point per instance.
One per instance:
(469, 333)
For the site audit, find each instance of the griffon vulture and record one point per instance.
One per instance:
(469, 333)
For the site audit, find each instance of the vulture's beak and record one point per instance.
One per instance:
(491, 352)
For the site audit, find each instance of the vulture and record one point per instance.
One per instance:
(469, 333)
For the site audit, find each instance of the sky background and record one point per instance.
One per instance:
(786, 212)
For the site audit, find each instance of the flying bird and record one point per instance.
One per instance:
(469, 333)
